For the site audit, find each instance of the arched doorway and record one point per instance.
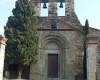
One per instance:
(52, 49)
(54, 46)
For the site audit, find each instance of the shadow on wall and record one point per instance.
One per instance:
(79, 76)
(12, 71)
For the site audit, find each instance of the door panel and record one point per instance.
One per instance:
(52, 65)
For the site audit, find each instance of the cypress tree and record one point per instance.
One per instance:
(85, 57)
(22, 44)
(86, 27)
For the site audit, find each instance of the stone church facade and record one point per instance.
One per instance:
(62, 42)
(61, 45)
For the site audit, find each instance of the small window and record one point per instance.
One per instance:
(44, 8)
(61, 8)
(53, 24)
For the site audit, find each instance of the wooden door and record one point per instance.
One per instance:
(52, 65)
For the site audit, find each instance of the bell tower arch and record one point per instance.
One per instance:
(53, 6)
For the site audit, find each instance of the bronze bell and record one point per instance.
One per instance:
(44, 5)
(61, 5)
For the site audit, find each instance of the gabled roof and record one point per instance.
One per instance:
(72, 26)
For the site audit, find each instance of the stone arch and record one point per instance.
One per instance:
(62, 44)
(66, 56)
(54, 37)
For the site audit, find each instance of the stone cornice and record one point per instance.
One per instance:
(92, 39)
(3, 40)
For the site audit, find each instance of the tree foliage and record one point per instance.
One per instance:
(22, 44)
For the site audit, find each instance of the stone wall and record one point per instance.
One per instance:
(98, 62)
(79, 53)
(95, 32)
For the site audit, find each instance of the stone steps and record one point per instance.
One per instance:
(39, 79)
(52, 79)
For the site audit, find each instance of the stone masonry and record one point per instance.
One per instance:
(65, 56)
(69, 36)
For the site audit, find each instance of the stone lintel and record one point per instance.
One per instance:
(91, 39)
(3, 40)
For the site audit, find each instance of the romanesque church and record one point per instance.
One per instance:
(61, 45)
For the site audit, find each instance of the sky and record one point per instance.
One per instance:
(85, 9)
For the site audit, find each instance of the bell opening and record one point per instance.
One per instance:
(61, 5)
(44, 6)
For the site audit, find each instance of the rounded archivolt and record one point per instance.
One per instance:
(57, 38)
(53, 47)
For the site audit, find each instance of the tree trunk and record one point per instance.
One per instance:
(20, 69)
